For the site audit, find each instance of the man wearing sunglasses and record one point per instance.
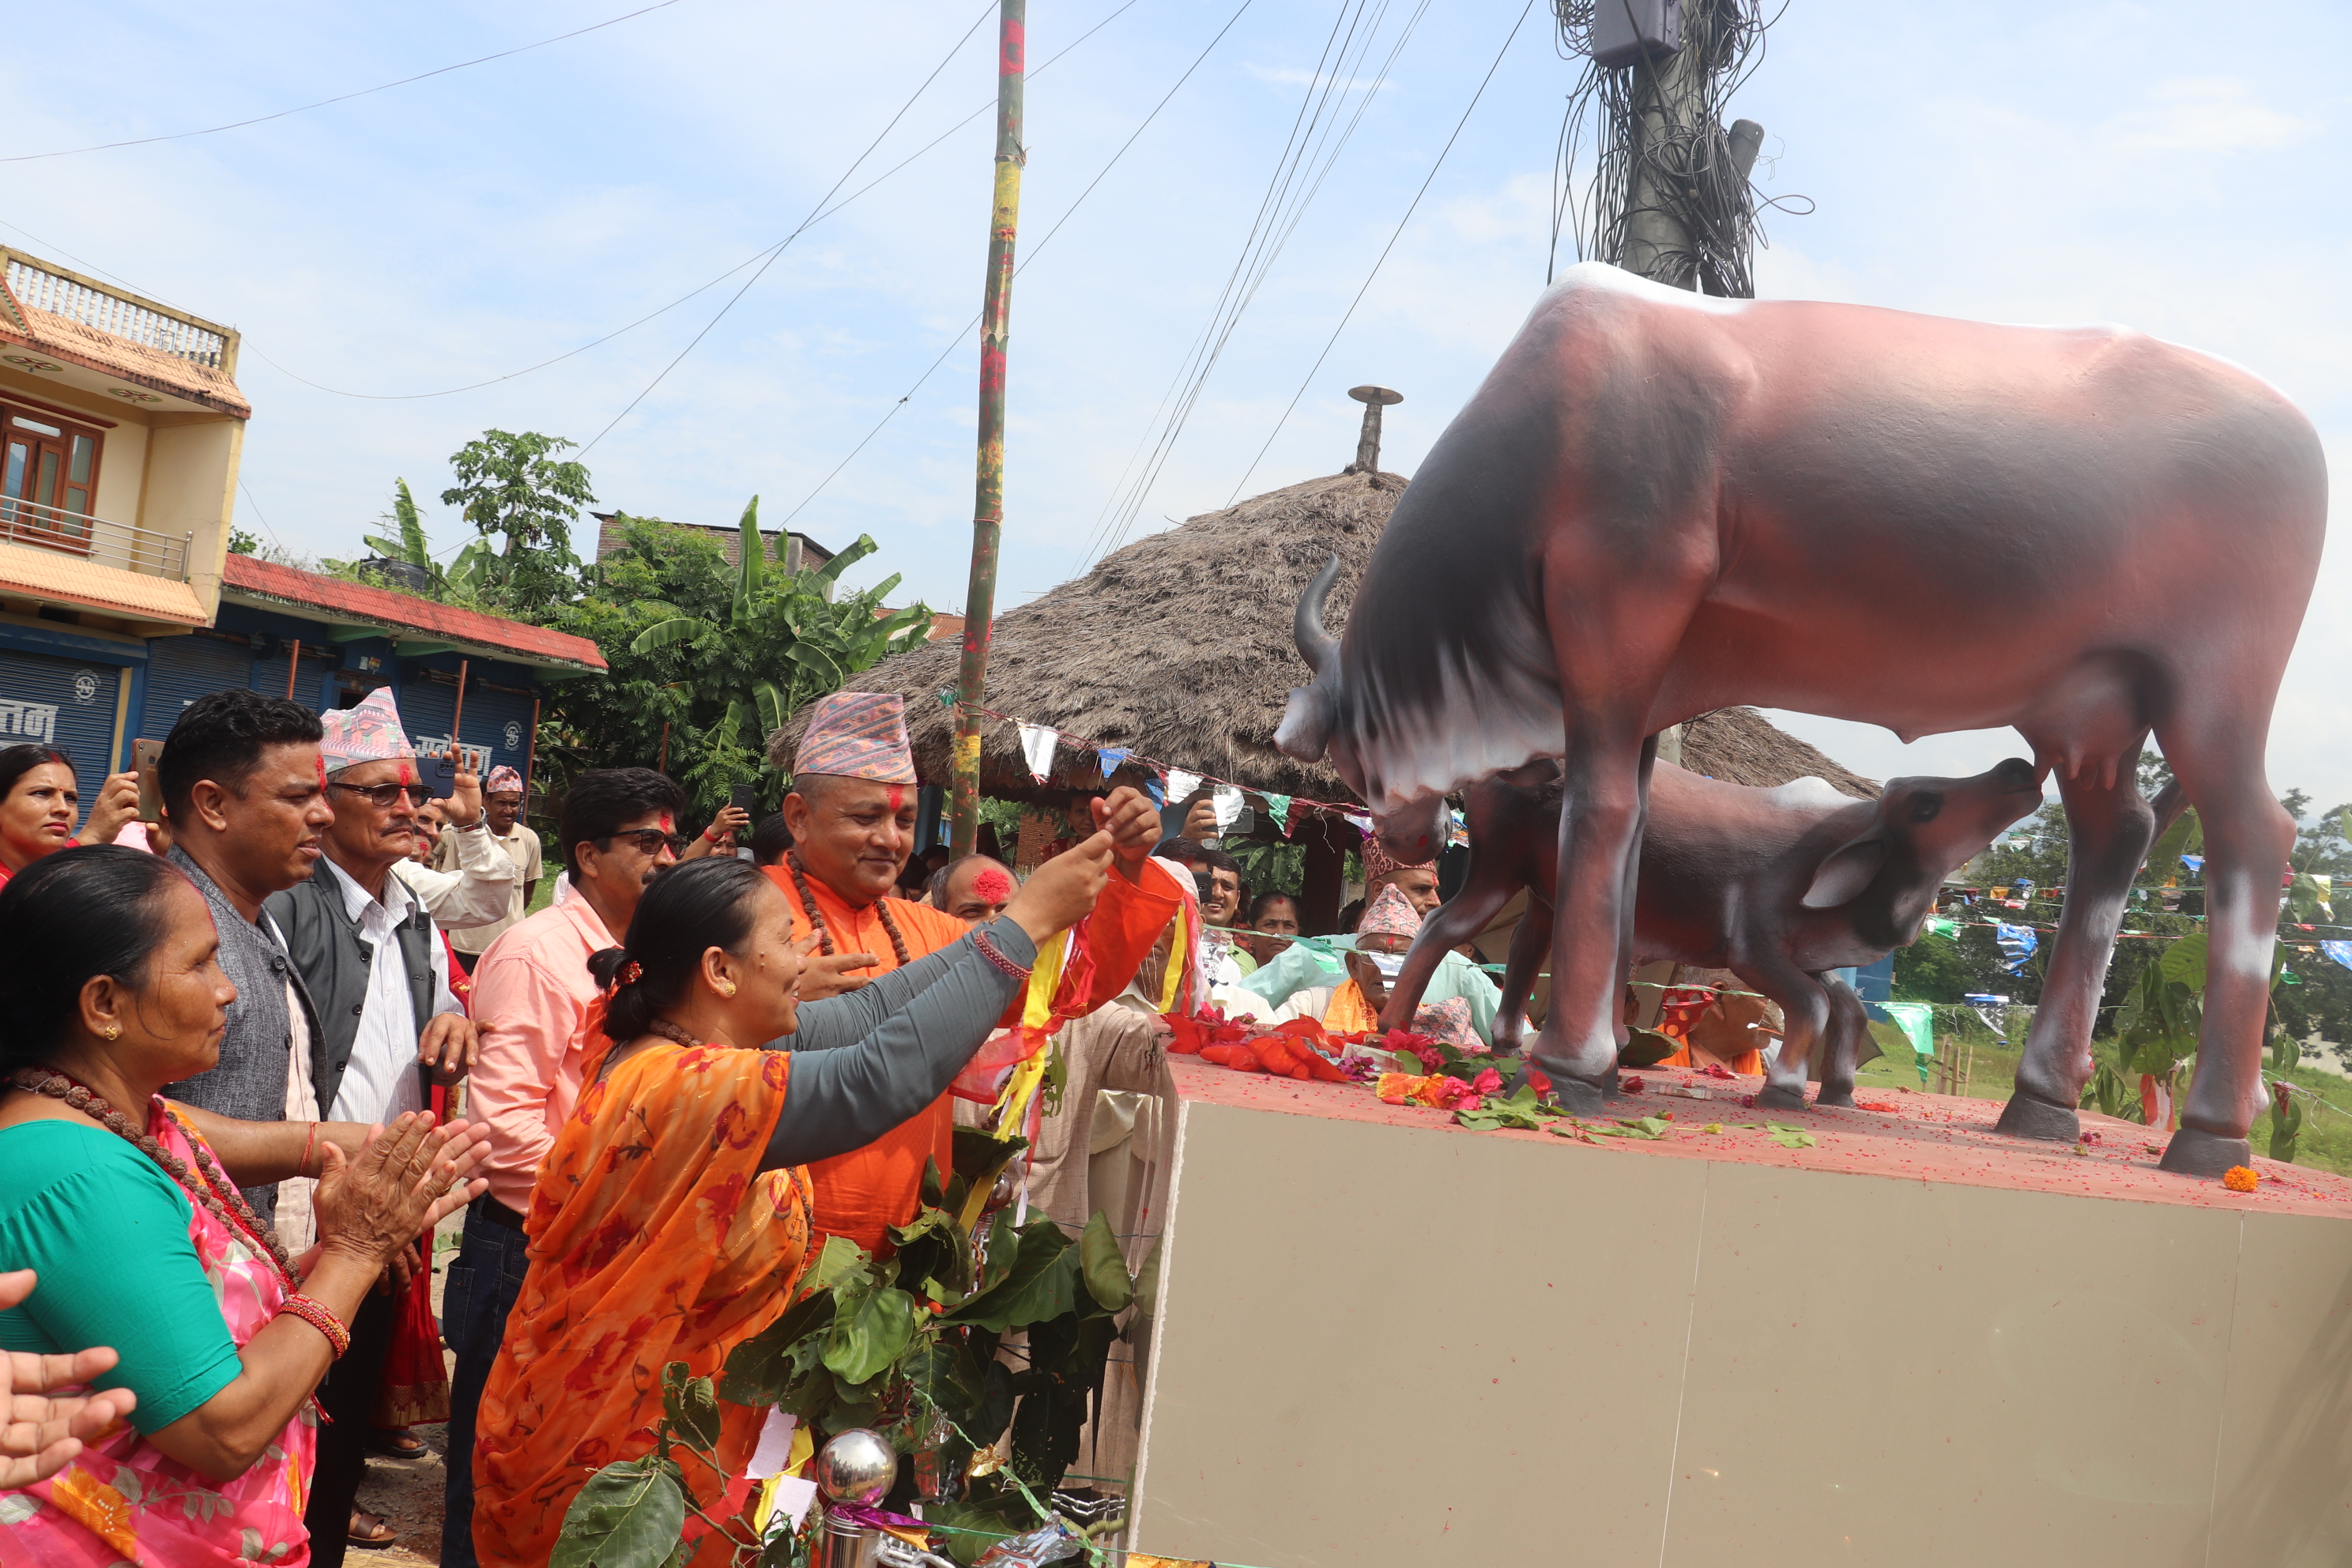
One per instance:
(532, 991)
(389, 1029)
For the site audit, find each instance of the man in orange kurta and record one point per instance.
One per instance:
(852, 816)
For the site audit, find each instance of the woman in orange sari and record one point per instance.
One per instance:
(670, 1220)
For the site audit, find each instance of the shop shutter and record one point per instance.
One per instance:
(181, 669)
(426, 703)
(501, 720)
(67, 703)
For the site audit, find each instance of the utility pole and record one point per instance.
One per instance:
(988, 498)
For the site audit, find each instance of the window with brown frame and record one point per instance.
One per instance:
(49, 477)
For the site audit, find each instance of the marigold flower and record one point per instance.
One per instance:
(1395, 1088)
(2239, 1178)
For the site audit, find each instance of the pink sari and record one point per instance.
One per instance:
(122, 1500)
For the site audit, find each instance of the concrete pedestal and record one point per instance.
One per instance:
(1381, 1338)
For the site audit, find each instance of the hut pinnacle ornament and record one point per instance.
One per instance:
(1368, 441)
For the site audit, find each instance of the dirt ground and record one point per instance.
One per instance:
(408, 1492)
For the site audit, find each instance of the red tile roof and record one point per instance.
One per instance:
(364, 604)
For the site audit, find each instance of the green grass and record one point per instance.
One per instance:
(2325, 1144)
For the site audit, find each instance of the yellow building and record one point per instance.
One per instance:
(121, 426)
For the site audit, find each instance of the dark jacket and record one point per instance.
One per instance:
(249, 1081)
(333, 960)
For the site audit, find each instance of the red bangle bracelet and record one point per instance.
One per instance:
(988, 951)
(309, 1139)
(316, 1314)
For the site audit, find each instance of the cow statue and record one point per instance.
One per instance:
(1776, 885)
(1658, 504)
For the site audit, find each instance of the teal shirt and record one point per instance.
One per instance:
(109, 1232)
(1299, 967)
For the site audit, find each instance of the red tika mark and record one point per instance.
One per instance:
(408, 774)
(322, 770)
(990, 885)
(668, 825)
(898, 797)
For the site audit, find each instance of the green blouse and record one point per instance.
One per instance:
(109, 1232)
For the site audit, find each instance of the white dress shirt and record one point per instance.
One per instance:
(479, 892)
(380, 1081)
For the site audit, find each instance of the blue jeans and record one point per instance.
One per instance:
(481, 1289)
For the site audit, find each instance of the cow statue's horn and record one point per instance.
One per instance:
(1316, 646)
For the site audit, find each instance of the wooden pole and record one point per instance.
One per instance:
(458, 714)
(293, 665)
(530, 753)
(988, 489)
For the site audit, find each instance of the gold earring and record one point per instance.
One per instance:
(114, 1031)
(727, 988)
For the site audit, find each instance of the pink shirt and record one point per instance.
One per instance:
(532, 992)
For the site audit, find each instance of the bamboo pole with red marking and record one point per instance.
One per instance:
(988, 497)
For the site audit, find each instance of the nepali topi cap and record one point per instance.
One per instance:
(1379, 862)
(503, 780)
(370, 732)
(1390, 914)
(858, 735)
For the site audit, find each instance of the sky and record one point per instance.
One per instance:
(2032, 162)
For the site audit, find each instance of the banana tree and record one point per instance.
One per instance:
(462, 579)
(785, 642)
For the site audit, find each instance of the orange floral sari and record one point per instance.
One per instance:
(653, 1238)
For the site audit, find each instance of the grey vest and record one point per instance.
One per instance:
(249, 1081)
(333, 960)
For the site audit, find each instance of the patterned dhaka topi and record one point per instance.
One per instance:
(1449, 1021)
(1379, 862)
(370, 732)
(858, 735)
(1390, 914)
(503, 780)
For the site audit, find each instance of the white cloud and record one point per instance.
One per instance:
(1291, 76)
(2208, 115)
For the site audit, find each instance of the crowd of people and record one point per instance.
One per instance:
(233, 1036)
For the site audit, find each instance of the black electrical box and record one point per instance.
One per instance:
(1623, 31)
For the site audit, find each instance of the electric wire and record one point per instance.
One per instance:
(1309, 155)
(1029, 255)
(342, 97)
(1383, 256)
(704, 287)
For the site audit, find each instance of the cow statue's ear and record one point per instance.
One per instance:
(1306, 728)
(1846, 872)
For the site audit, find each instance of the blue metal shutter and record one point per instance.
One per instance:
(501, 720)
(68, 704)
(425, 703)
(181, 669)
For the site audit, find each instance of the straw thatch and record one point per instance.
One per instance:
(1740, 746)
(1179, 649)
(1177, 646)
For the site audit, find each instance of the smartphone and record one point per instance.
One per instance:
(747, 797)
(440, 774)
(144, 755)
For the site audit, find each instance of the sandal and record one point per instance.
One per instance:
(396, 1443)
(370, 1533)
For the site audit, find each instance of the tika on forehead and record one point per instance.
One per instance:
(990, 885)
(858, 735)
(370, 732)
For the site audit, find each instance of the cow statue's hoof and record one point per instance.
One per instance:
(2194, 1154)
(1581, 1097)
(1775, 1097)
(1840, 1096)
(2029, 1116)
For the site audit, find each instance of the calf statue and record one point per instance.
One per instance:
(1658, 504)
(1775, 884)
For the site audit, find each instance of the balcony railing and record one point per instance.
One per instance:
(106, 311)
(124, 546)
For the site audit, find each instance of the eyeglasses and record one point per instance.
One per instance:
(383, 797)
(650, 840)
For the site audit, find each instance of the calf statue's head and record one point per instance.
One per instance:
(1925, 828)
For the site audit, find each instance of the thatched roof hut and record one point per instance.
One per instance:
(1177, 647)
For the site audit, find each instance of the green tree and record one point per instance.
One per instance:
(515, 487)
(781, 643)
